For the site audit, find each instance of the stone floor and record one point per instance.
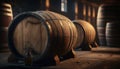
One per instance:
(98, 58)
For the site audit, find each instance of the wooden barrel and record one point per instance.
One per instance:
(113, 34)
(5, 18)
(86, 33)
(46, 33)
(106, 13)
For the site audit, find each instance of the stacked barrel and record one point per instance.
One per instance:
(5, 18)
(107, 13)
(113, 34)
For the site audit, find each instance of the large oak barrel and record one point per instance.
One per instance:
(5, 18)
(113, 34)
(86, 33)
(46, 33)
(106, 13)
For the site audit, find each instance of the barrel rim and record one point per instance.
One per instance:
(76, 22)
(14, 24)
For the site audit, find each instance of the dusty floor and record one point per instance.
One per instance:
(98, 58)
